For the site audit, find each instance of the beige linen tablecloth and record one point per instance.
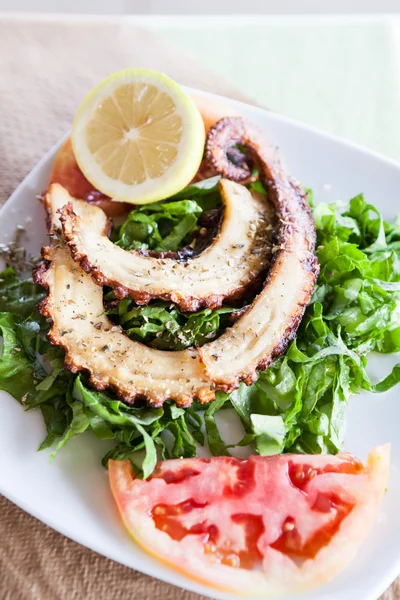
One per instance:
(45, 69)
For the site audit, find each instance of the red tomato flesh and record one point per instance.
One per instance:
(289, 520)
(167, 517)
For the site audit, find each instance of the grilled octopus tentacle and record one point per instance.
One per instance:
(260, 335)
(270, 323)
(222, 272)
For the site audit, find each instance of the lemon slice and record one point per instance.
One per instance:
(138, 137)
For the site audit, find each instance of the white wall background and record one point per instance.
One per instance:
(202, 6)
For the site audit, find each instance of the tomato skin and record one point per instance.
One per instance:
(259, 526)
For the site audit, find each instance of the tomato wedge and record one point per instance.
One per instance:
(263, 525)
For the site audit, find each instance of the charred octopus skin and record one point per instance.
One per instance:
(255, 340)
(237, 257)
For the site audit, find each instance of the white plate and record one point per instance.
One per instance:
(72, 495)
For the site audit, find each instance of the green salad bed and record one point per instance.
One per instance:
(297, 405)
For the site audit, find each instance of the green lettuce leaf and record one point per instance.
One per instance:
(270, 432)
(18, 296)
(168, 226)
(297, 405)
(354, 310)
(162, 325)
(215, 443)
(16, 372)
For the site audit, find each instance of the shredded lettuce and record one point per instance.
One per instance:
(297, 405)
(162, 325)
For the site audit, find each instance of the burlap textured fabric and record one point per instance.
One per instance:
(45, 69)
